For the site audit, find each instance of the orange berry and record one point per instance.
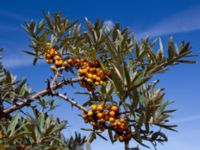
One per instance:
(121, 138)
(80, 72)
(114, 108)
(46, 50)
(87, 69)
(96, 83)
(92, 69)
(98, 78)
(118, 123)
(59, 62)
(94, 76)
(57, 57)
(55, 53)
(70, 60)
(85, 64)
(49, 61)
(65, 64)
(122, 120)
(89, 75)
(94, 107)
(99, 71)
(100, 108)
(112, 113)
(48, 56)
(100, 115)
(101, 82)
(53, 68)
(122, 127)
(113, 124)
(94, 124)
(84, 71)
(89, 80)
(111, 119)
(90, 113)
(51, 51)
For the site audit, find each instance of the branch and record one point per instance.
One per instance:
(157, 68)
(169, 62)
(39, 94)
(56, 75)
(74, 103)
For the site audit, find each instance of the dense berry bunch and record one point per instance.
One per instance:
(53, 57)
(92, 73)
(103, 117)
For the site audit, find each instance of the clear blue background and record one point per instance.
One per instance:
(177, 18)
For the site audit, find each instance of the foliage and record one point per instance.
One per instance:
(114, 69)
(36, 130)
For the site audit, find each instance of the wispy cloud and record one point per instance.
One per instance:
(10, 28)
(187, 119)
(12, 15)
(16, 61)
(13, 62)
(185, 21)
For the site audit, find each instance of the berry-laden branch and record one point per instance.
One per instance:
(113, 58)
(108, 117)
(39, 94)
(74, 103)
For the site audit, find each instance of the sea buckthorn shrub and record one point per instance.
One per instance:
(120, 95)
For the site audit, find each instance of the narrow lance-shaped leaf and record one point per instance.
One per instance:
(171, 49)
(12, 125)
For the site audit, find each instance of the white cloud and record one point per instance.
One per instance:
(187, 119)
(12, 15)
(108, 25)
(11, 28)
(18, 61)
(185, 21)
(13, 62)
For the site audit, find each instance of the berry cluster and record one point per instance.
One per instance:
(53, 57)
(103, 117)
(92, 73)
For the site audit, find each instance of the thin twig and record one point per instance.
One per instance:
(56, 75)
(74, 103)
(39, 94)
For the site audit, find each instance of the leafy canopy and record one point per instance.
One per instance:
(114, 69)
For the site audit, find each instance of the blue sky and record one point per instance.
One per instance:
(177, 18)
